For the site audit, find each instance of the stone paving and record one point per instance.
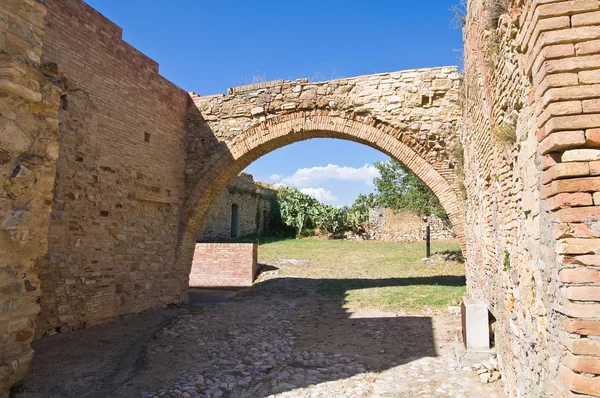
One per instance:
(283, 339)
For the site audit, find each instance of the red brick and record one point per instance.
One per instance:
(561, 140)
(566, 170)
(551, 159)
(586, 260)
(577, 246)
(579, 275)
(591, 105)
(583, 364)
(586, 184)
(579, 383)
(583, 327)
(580, 310)
(573, 122)
(573, 230)
(588, 18)
(588, 47)
(569, 200)
(581, 346)
(559, 109)
(581, 293)
(589, 77)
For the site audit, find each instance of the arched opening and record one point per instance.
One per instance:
(235, 221)
(289, 128)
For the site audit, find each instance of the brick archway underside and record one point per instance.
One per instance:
(298, 126)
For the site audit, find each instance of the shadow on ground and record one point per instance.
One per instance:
(280, 335)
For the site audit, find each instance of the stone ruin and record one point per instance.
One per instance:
(108, 172)
(253, 203)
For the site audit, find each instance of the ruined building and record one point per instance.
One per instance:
(243, 209)
(108, 172)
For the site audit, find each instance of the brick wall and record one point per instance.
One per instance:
(115, 214)
(532, 235)
(224, 265)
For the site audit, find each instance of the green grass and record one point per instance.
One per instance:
(384, 275)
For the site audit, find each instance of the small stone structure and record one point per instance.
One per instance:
(251, 202)
(405, 226)
(224, 265)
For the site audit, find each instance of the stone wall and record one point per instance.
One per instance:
(113, 233)
(29, 100)
(224, 265)
(254, 208)
(531, 107)
(405, 226)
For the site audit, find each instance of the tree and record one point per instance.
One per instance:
(398, 188)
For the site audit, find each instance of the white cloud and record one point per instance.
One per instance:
(275, 177)
(317, 175)
(321, 194)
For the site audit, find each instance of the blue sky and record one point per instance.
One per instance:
(207, 47)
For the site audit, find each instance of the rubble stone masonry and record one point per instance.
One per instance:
(254, 207)
(29, 102)
(532, 210)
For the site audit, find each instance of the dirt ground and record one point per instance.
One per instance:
(279, 338)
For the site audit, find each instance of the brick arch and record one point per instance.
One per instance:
(289, 128)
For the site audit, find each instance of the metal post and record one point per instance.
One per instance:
(427, 242)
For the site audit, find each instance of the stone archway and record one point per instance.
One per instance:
(297, 126)
(413, 116)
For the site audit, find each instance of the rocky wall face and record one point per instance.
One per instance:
(29, 101)
(531, 245)
(253, 205)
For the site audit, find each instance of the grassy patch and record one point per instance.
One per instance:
(385, 275)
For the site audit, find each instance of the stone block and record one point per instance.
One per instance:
(475, 324)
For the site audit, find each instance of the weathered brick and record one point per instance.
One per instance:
(573, 122)
(566, 170)
(569, 200)
(573, 230)
(579, 275)
(558, 109)
(588, 47)
(581, 293)
(583, 364)
(591, 106)
(588, 18)
(581, 155)
(577, 310)
(561, 140)
(582, 327)
(586, 184)
(579, 383)
(592, 138)
(587, 260)
(578, 246)
(581, 346)
(589, 77)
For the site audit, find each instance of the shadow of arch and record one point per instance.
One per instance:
(298, 126)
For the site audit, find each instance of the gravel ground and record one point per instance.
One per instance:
(281, 338)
